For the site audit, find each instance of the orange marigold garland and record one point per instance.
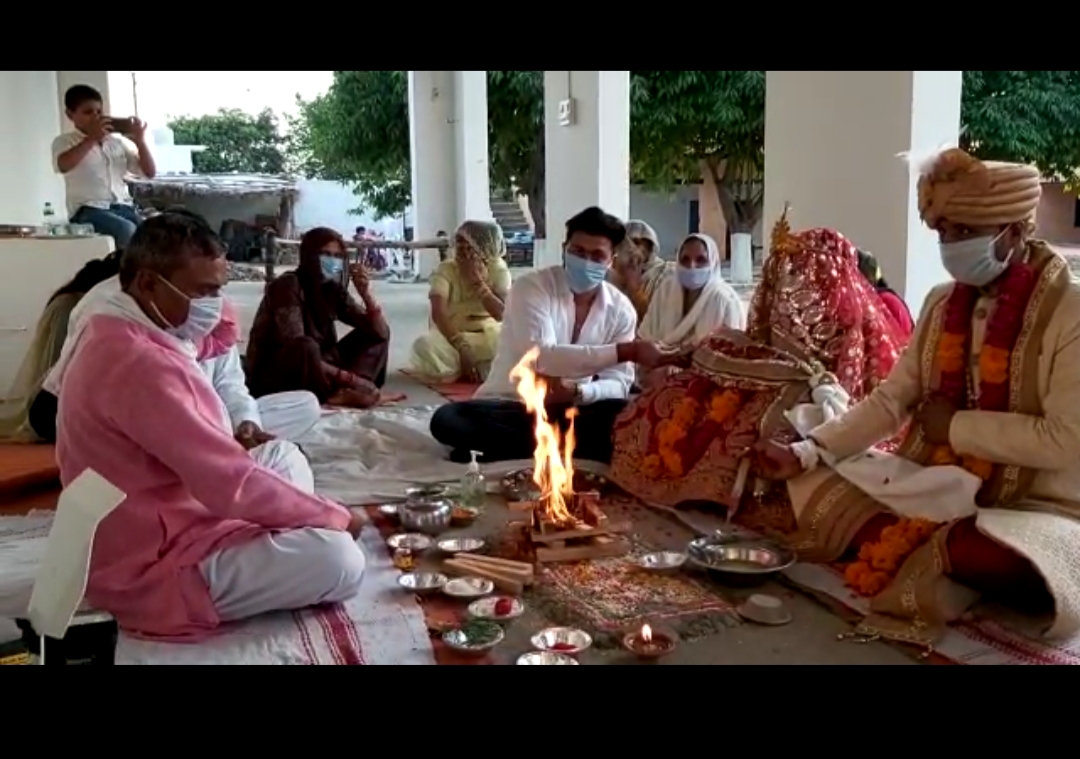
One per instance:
(719, 408)
(995, 358)
(879, 562)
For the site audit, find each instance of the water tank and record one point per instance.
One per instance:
(162, 136)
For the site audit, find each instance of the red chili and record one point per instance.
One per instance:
(504, 606)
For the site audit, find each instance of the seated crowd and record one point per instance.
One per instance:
(795, 416)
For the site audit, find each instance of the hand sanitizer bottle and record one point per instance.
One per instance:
(48, 219)
(473, 487)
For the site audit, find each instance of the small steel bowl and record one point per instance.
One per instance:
(463, 516)
(562, 640)
(485, 609)
(468, 587)
(389, 510)
(764, 609)
(546, 657)
(421, 493)
(748, 561)
(660, 561)
(429, 517)
(460, 545)
(422, 582)
(458, 639)
(410, 541)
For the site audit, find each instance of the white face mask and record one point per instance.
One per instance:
(974, 262)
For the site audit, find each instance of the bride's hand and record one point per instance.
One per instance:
(777, 460)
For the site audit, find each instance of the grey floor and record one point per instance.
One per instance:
(810, 639)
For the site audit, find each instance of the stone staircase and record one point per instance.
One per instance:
(508, 215)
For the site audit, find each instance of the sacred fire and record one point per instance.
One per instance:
(563, 525)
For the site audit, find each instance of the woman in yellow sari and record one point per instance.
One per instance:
(468, 293)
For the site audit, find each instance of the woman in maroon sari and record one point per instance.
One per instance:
(294, 343)
(814, 321)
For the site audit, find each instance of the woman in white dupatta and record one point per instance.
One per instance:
(692, 300)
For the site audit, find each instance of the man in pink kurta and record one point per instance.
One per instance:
(205, 534)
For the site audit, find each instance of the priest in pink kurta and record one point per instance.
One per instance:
(205, 534)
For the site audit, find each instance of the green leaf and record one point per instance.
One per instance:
(234, 141)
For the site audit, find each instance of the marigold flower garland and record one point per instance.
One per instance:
(879, 562)
(995, 358)
(720, 407)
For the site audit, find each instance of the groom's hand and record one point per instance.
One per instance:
(935, 416)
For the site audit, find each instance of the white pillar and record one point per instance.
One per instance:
(587, 162)
(831, 145)
(99, 80)
(29, 122)
(448, 133)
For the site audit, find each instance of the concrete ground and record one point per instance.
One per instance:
(809, 639)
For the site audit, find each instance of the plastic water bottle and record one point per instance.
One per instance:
(473, 486)
(49, 219)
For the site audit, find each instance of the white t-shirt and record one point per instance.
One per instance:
(98, 179)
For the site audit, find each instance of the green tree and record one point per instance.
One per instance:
(1028, 116)
(688, 124)
(234, 141)
(358, 133)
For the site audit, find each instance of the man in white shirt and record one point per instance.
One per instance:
(95, 162)
(586, 331)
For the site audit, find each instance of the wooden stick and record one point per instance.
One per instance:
(503, 582)
(507, 564)
(524, 576)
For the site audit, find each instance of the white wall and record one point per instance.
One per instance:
(667, 212)
(326, 204)
(29, 121)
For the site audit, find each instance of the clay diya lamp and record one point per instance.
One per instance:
(650, 644)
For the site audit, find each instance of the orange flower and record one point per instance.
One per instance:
(686, 412)
(994, 365)
(672, 462)
(723, 405)
(984, 470)
(942, 456)
(950, 352)
(880, 561)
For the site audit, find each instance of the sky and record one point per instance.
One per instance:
(163, 95)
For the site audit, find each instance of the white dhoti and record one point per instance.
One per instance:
(290, 415)
(287, 461)
(284, 571)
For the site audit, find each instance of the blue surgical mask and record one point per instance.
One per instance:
(583, 275)
(204, 314)
(331, 266)
(974, 262)
(693, 279)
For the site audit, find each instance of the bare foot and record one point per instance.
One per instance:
(388, 399)
(351, 398)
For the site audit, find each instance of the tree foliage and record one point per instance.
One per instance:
(234, 141)
(686, 124)
(1027, 116)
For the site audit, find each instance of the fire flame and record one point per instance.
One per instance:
(553, 470)
(646, 634)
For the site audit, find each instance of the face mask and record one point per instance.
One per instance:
(583, 275)
(204, 314)
(974, 262)
(693, 279)
(331, 266)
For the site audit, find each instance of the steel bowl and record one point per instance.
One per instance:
(410, 541)
(764, 609)
(562, 640)
(389, 510)
(422, 582)
(460, 545)
(546, 657)
(429, 517)
(745, 561)
(468, 587)
(462, 639)
(485, 609)
(660, 561)
(421, 493)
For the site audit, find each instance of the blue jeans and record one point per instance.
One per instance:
(118, 222)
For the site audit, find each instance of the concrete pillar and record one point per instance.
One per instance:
(29, 122)
(587, 162)
(831, 145)
(448, 133)
(99, 80)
